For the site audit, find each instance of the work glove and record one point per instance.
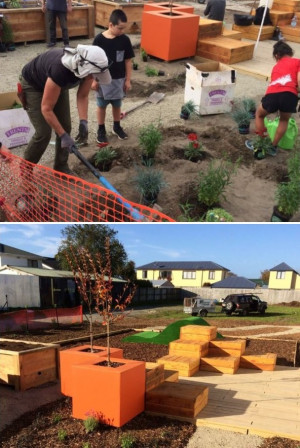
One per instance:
(67, 142)
(82, 136)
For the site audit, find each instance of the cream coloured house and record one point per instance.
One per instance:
(283, 276)
(183, 273)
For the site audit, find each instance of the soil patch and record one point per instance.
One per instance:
(14, 346)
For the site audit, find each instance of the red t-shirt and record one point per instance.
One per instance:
(284, 76)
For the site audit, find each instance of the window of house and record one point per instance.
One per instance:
(189, 274)
(32, 263)
(144, 274)
(165, 275)
(280, 274)
(211, 275)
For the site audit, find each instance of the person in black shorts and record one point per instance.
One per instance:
(119, 51)
(281, 95)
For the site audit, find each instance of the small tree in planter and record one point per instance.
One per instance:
(150, 137)
(95, 284)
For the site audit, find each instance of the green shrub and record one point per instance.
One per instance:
(149, 181)
(105, 156)
(150, 71)
(127, 441)
(212, 183)
(62, 435)
(90, 424)
(150, 137)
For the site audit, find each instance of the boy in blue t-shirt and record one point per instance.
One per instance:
(119, 51)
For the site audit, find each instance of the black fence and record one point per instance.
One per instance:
(158, 296)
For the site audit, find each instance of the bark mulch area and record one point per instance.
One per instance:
(52, 426)
(47, 425)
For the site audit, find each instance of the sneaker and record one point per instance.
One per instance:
(51, 44)
(273, 151)
(249, 145)
(119, 132)
(102, 137)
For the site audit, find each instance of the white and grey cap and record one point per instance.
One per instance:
(87, 60)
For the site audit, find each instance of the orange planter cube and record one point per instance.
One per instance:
(80, 355)
(114, 395)
(166, 5)
(169, 37)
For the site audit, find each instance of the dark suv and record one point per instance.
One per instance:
(243, 304)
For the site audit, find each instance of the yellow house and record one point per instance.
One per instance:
(283, 276)
(183, 273)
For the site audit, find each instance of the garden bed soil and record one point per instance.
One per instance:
(42, 427)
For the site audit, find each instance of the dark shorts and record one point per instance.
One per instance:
(101, 102)
(283, 102)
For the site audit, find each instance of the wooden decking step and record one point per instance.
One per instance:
(209, 28)
(259, 362)
(168, 375)
(291, 33)
(154, 376)
(279, 18)
(232, 34)
(184, 365)
(190, 348)
(251, 32)
(223, 364)
(176, 399)
(286, 5)
(223, 348)
(200, 333)
(223, 49)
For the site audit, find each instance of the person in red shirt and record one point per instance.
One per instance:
(281, 94)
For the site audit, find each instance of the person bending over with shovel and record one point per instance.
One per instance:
(281, 95)
(45, 83)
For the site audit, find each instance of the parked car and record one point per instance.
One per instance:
(197, 306)
(243, 304)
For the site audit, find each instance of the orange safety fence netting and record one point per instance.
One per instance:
(39, 319)
(35, 193)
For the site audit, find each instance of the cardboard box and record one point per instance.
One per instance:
(210, 85)
(15, 127)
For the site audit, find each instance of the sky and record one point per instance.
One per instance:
(244, 249)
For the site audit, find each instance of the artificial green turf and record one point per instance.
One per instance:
(170, 333)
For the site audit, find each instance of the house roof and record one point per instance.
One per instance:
(4, 249)
(235, 282)
(162, 283)
(48, 272)
(283, 267)
(183, 265)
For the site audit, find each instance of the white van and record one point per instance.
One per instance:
(196, 306)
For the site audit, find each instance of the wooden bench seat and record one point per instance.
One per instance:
(259, 362)
(190, 348)
(176, 399)
(222, 348)
(223, 49)
(184, 365)
(251, 32)
(222, 364)
(200, 333)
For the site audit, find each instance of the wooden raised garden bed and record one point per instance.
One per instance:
(29, 24)
(25, 364)
(133, 11)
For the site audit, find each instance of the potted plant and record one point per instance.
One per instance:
(288, 193)
(250, 105)
(288, 201)
(111, 389)
(6, 36)
(149, 137)
(149, 182)
(242, 118)
(135, 65)
(144, 55)
(104, 157)
(218, 215)
(262, 146)
(83, 276)
(187, 109)
(150, 71)
(194, 149)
